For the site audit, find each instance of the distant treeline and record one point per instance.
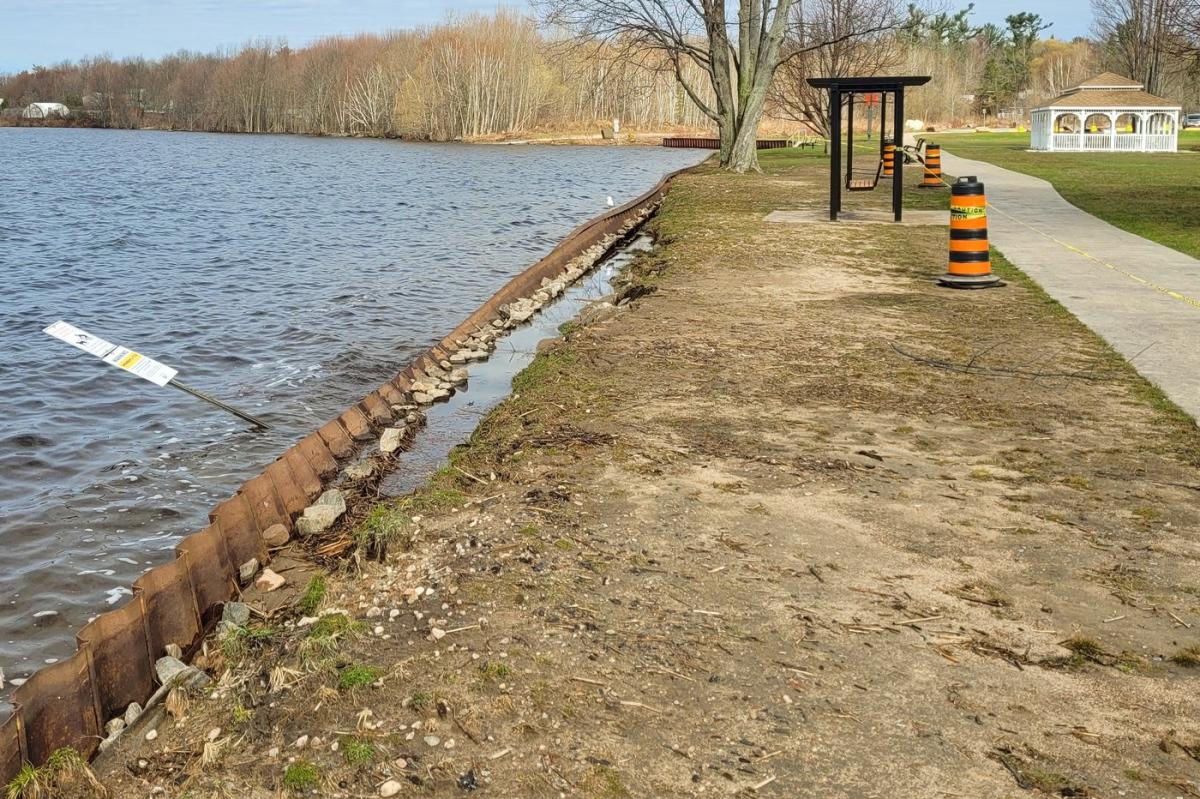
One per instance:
(482, 76)
(475, 76)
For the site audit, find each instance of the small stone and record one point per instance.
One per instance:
(214, 733)
(115, 727)
(459, 376)
(247, 570)
(131, 713)
(432, 740)
(361, 470)
(459, 357)
(273, 751)
(150, 736)
(421, 397)
(269, 581)
(379, 629)
(437, 633)
(393, 614)
(390, 788)
(173, 650)
(391, 440)
(276, 535)
(374, 611)
(236, 613)
(301, 742)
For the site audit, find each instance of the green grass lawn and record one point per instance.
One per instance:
(1156, 196)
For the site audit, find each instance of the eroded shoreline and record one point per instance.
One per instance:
(107, 674)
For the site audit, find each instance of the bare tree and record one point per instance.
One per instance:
(1136, 35)
(831, 38)
(737, 56)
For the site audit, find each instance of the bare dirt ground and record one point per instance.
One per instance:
(796, 523)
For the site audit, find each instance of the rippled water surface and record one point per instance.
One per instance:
(287, 275)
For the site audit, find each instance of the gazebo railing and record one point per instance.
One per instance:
(1160, 142)
(1122, 142)
(1129, 142)
(1067, 141)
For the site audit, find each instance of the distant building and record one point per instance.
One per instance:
(1107, 113)
(45, 111)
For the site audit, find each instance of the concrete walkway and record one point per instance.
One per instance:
(1141, 297)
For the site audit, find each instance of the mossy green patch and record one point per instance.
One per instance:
(314, 595)
(356, 751)
(353, 677)
(301, 777)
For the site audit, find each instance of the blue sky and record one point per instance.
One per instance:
(50, 31)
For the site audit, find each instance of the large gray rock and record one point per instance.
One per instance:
(391, 440)
(236, 613)
(322, 514)
(168, 668)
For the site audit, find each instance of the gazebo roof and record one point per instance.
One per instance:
(1109, 90)
(1109, 80)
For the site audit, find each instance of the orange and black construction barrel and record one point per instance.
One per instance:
(970, 264)
(933, 168)
(889, 160)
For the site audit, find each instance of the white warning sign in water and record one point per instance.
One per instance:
(121, 357)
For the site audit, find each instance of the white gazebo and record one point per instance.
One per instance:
(1107, 113)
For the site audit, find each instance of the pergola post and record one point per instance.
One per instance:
(849, 135)
(898, 141)
(835, 152)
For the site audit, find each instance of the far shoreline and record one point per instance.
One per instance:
(638, 139)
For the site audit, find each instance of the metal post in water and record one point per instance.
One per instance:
(217, 403)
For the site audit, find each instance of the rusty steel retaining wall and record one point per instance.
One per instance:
(704, 143)
(68, 703)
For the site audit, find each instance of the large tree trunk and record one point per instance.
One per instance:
(743, 155)
(759, 41)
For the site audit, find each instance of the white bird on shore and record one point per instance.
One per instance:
(610, 201)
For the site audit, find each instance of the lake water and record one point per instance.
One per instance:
(286, 275)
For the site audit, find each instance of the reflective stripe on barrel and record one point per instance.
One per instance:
(889, 160)
(968, 229)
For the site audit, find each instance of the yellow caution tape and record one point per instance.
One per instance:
(1192, 301)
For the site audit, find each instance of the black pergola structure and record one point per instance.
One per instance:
(843, 90)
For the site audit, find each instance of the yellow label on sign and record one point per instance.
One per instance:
(129, 361)
(967, 212)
